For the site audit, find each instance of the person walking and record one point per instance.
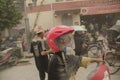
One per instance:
(38, 45)
(63, 66)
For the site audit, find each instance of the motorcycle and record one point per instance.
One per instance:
(8, 58)
(101, 72)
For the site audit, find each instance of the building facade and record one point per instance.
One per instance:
(69, 12)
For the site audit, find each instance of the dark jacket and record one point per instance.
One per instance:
(57, 69)
(79, 40)
(40, 61)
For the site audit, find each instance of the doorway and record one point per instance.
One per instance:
(67, 20)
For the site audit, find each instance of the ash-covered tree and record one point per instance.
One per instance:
(10, 15)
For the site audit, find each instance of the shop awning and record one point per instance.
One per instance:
(100, 9)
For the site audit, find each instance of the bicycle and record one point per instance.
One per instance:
(95, 49)
(113, 59)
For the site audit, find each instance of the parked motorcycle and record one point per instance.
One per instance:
(11, 44)
(101, 72)
(8, 58)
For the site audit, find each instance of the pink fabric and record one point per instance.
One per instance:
(100, 73)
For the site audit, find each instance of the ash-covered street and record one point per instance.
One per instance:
(28, 71)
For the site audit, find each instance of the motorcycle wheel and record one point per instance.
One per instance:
(94, 51)
(13, 60)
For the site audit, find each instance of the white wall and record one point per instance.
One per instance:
(57, 20)
(45, 19)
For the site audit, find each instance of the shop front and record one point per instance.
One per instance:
(106, 14)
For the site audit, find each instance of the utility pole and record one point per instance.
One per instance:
(53, 12)
(27, 30)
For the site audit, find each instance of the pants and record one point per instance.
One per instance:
(42, 74)
(42, 65)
